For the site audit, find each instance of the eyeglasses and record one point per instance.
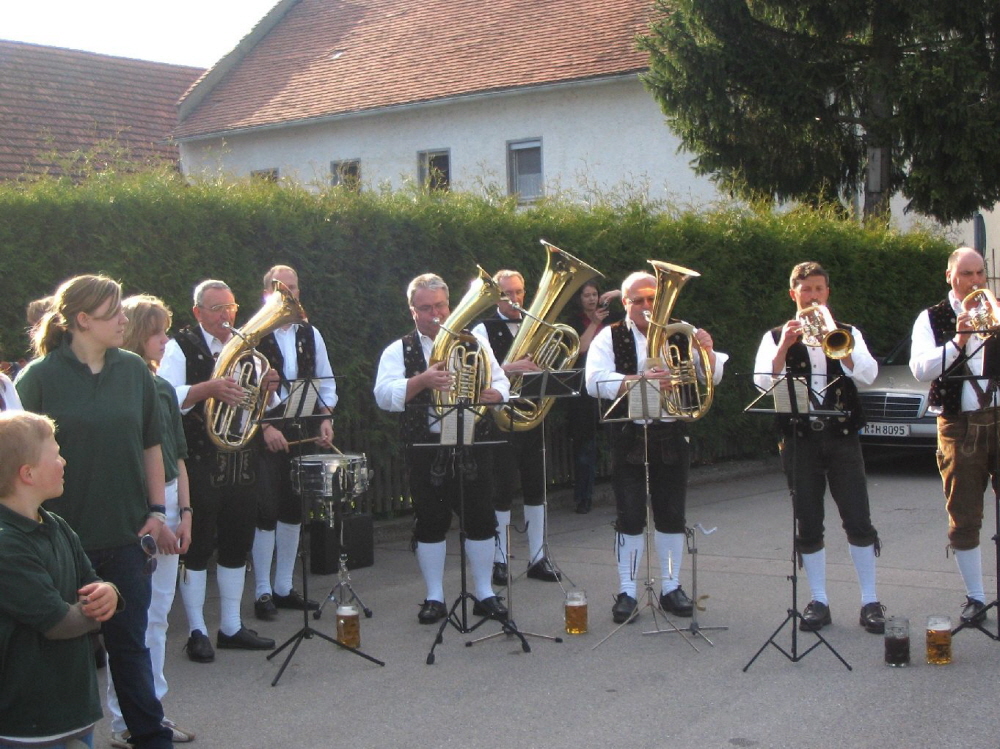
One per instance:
(148, 544)
(234, 308)
(426, 309)
(643, 299)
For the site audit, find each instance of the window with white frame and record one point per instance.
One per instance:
(434, 169)
(346, 174)
(524, 169)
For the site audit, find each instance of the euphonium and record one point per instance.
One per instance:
(551, 345)
(819, 329)
(461, 351)
(231, 428)
(683, 395)
(982, 306)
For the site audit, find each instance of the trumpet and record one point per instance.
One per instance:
(984, 311)
(819, 329)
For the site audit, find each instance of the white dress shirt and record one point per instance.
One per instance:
(325, 383)
(390, 382)
(864, 371)
(604, 382)
(928, 360)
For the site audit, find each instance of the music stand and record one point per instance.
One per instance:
(980, 622)
(642, 396)
(457, 431)
(787, 399)
(295, 419)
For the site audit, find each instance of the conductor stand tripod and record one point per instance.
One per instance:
(538, 386)
(789, 393)
(301, 401)
(457, 436)
(641, 401)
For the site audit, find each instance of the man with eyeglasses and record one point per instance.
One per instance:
(616, 358)
(521, 451)
(404, 384)
(221, 483)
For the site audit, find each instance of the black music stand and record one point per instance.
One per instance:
(793, 390)
(980, 622)
(295, 419)
(642, 396)
(456, 443)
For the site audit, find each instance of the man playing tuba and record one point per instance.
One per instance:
(617, 357)
(405, 383)
(825, 447)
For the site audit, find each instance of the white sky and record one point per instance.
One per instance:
(184, 32)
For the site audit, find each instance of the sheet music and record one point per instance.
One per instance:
(449, 428)
(301, 398)
(783, 401)
(644, 400)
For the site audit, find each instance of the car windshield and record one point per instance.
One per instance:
(900, 354)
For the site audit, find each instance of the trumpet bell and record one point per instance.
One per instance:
(984, 310)
(819, 330)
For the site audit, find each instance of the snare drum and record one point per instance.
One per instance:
(330, 476)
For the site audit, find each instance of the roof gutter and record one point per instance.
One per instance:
(411, 107)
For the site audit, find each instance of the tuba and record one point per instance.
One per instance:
(552, 346)
(982, 306)
(461, 351)
(819, 329)
(231, 428)
(683, 395)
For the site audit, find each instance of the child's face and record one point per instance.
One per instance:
(155, 346)
(48, 471)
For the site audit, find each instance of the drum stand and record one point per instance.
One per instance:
(338, 593)
(797, 390)
(461, 621)
(643, 405)
(306, 632)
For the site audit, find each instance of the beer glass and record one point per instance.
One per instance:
(348, 625)
(939, 640)
(576, 612)
(897, 642)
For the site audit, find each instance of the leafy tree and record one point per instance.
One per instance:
(820, 99)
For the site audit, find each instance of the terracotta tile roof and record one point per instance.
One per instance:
(330, 57)
(54, 99)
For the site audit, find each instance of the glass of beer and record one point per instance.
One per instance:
(576, 612)
(939, 640)
(897, 642)
(348, 625)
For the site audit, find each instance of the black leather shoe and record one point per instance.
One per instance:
(815, 617)
(973, 612)
(294, 600)
(245, 639)
(432, 611)
(873, 618)
(500, 573)
(624, 606)
(543, 570)
(264, 608)
(676, 602)
(199, 647)
(492, 607)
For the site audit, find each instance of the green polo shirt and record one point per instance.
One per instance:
(174, 443)
(104, 422)
(47, 687)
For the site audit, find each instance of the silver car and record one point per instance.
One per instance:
(896, 405)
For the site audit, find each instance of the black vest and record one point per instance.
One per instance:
(413, 425)
(946, 392)
(498, 331)
(841, 396)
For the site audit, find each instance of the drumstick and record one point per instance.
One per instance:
(302, 442)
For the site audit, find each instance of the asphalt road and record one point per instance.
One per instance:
(635, 689)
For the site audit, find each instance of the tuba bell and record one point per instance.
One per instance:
(819, 329)
(230, 428)
(683, 396)
(984, 310)
(461, 351)
(552, 346)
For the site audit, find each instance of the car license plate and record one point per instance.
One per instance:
(881, 429)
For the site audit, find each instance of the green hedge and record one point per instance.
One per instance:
(355, 254)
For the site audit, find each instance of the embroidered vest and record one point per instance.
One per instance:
(498, 331)
(945, 393)
(413, 425)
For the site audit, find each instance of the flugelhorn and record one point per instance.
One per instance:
(551, 345)
(984, 311)
(682, 396)
(461, 351)
(231, 428)
(819, 329)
